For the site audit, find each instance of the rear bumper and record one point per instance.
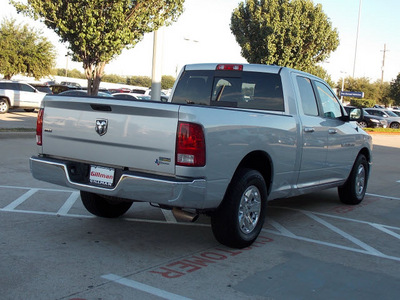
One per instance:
(185, 193)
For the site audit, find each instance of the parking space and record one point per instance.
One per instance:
(311, 247)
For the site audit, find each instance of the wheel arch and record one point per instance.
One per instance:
(260, 161)
(366, 153)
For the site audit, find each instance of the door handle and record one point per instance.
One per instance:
(332, 131)
(309, 129)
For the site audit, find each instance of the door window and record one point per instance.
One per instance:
(307, 96)
(330, 105)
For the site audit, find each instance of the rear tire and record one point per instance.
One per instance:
(4, 106)
(363, 124)
(353, 191)
(395, 125)
(104, 207)
(239, 219)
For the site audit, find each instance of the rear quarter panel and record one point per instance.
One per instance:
(231, 134)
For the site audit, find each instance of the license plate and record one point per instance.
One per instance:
(101, 175)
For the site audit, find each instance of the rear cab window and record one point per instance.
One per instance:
(241, 89)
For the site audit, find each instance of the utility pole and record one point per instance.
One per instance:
(383, 61)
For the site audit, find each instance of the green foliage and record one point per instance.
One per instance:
(24, 51)
(291, 33)
(96, 31)
(394, 90)
(114, 78)
(362, 103)
(167, 82)
(144, 81)
(378, 92)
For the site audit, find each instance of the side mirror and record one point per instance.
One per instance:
(355, 114)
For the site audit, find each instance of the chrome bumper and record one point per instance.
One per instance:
(179, 193)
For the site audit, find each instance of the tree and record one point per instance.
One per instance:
(291, 33)
(167, 81)
(24, 51)
(394, 91)
(96, 31)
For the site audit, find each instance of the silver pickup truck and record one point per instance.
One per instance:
(230, 138)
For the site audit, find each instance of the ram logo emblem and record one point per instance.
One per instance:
(101, 126)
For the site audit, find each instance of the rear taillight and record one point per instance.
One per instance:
(39, 127)
(190, 145)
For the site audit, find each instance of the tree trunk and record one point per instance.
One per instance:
(94, 73)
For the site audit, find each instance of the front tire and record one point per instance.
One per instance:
(104, 207)
(4, 106)
(353, 191)
(239, 219)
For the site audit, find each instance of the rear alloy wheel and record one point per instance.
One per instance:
(395, 125)
(353, 191)
(362, 124)
(239, 219)
(4, 106)
(103, 206)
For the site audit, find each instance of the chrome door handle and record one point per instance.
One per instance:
(309, 129)
(332, 131)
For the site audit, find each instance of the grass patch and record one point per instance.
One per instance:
(382, 130)
(17, 129)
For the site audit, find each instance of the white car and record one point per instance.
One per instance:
(19, 95)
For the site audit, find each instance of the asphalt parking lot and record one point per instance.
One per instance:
(311, 247)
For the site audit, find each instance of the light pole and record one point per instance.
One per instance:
(341, 97)
(156, 72)
(358, 29)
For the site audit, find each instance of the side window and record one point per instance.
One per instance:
(25, 88)
(194, 87)
(330, 105)
(308, 101)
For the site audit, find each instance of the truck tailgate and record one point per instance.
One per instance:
(110, 132)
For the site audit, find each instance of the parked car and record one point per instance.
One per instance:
(42, 88)
(83, 93)
(15, 94)
(130, 96)
(369, 121)
(147, 92)
(71, 84)
(119, 90)
(397, 112)
(392, 119)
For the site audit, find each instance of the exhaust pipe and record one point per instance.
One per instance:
(183, 215)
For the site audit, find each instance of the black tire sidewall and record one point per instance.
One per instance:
(101, 207)
(347, 192)
(225, 221)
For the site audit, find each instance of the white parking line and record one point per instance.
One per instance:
(280, 230)
(169, 216)
(385, 197)
(143, 287)
(20, 200)
(344, 234)
(68, 204)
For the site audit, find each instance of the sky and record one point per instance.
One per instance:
(202, 34)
